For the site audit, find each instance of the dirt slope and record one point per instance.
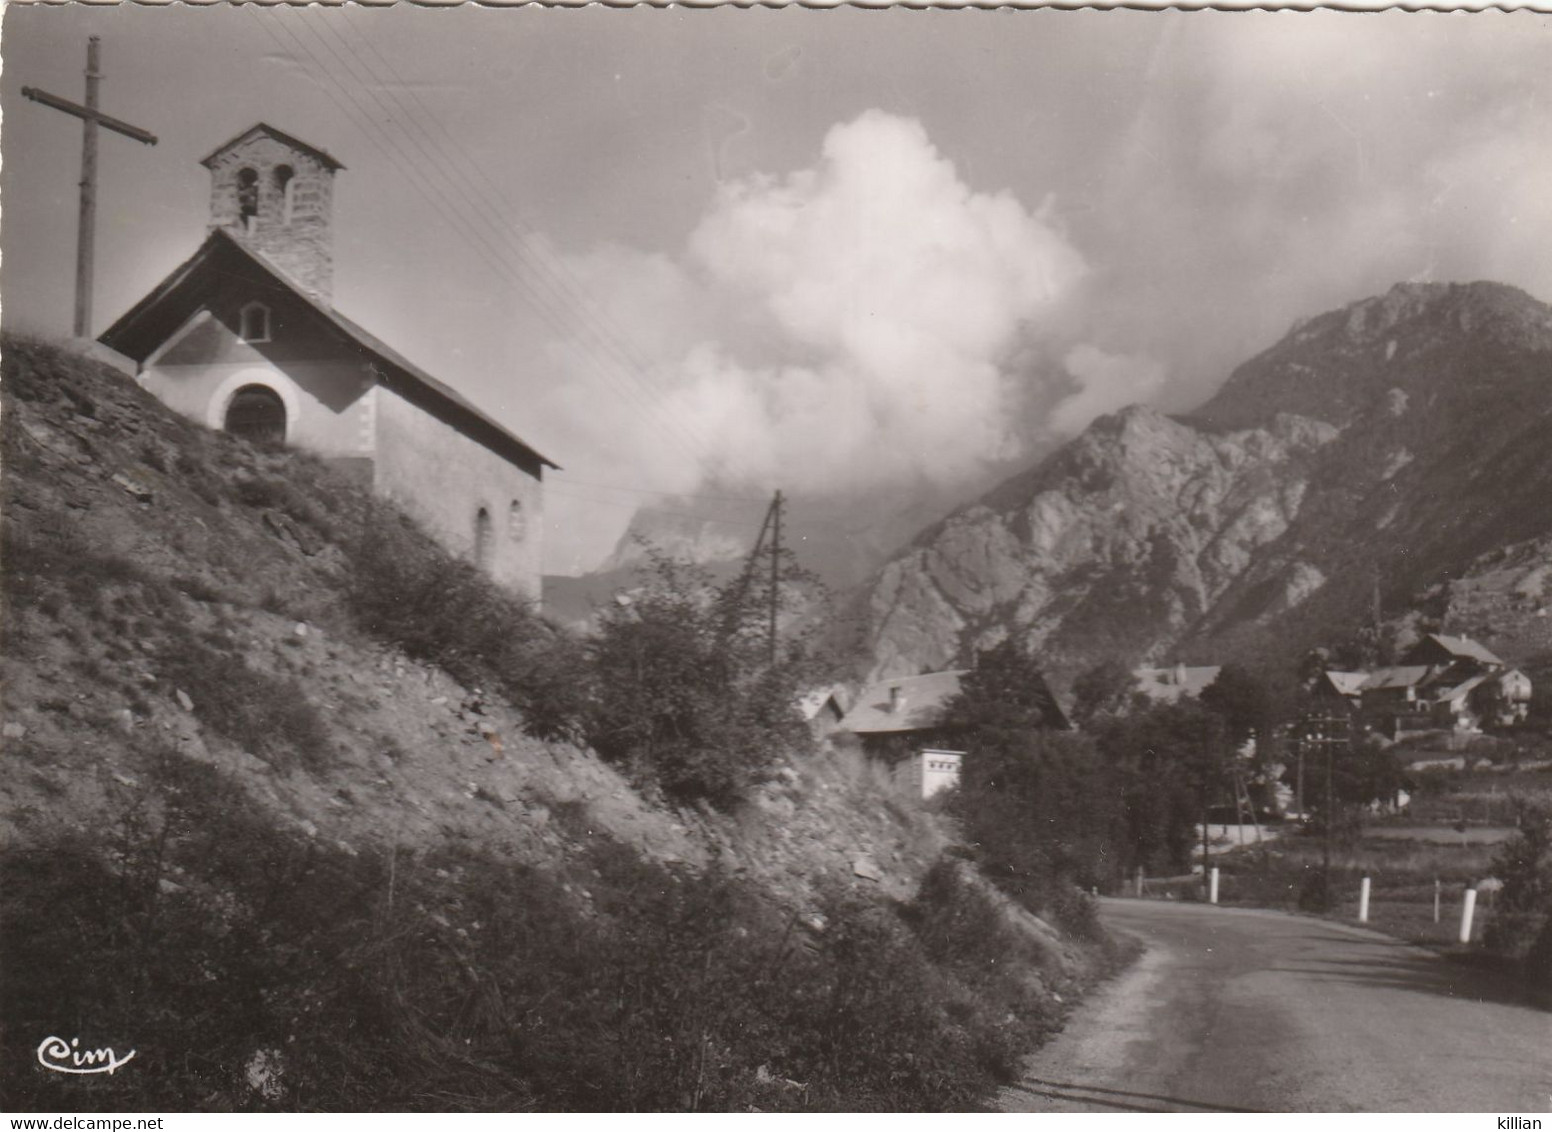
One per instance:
(198, 723)
(138, 541)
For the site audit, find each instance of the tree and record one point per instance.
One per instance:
(683, 688)
(1368, 773)
(1036, 803)
(1243, 701)
(1108, 688)
(1523, 910)
(1003, 700)
(1253, 707)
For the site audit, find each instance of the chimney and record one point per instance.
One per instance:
(1180, 675)
(896, 699)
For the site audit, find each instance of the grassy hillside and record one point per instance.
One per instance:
(276, 815)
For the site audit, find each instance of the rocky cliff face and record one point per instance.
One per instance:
(838, 540)
(1388, 443)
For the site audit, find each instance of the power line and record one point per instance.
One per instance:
(627, 506)
(573, 300)
(551, 310)
(383, 140)
(535, 245)
(568, 481)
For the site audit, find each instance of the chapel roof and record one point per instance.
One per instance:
(150, 322)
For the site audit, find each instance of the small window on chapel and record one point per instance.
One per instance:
(248, 197)
(517, 522)
(484, 546)
(253, 323)
(285, 181)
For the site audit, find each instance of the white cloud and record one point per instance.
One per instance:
(838, 329)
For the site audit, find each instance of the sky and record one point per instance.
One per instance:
(851, 254)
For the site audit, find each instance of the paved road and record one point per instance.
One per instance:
(1241, 1009)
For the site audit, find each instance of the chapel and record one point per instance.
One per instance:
(244, 336)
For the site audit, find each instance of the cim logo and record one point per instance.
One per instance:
(68, 1057)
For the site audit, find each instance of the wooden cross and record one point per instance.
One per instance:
(91, 118)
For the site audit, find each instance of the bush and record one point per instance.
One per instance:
(1036, 805)
(1538, 960)
(964, 931)
(1524, 908)
(223, 949)
(406, 590)
(684, 692)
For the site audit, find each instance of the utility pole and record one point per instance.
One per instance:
(775, 569)
(770, 525)
(1329, 822)
(1327, 731)
(1299, 789)
(86, 227)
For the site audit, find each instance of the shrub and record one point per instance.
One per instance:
(1538, 960)
(684, 690)
(405, 589)
(963, 930)
(1036, 805)
(213, 942)
(1524, 864)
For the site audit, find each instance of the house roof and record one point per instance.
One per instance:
(922, 699)
(279, 135)
(1444, 694)
(1464, 648)
(812, 702)
(1401, 676)
(139, 331)
(1166, 685)
(1346, 683)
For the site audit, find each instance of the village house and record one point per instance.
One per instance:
(244, 336)
(900, 721)
(1168, 685)
(823, 709)
(1444, 683)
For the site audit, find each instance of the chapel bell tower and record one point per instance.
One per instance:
(275, 194)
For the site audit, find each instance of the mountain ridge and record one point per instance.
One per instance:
(1381, 445)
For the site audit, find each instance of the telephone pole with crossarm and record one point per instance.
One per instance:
(91, 118)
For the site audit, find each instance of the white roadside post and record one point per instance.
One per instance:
(1363, 901)
(1212, 887)
(1438, 891)
(1466, 911)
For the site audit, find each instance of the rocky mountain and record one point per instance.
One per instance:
(1373, 452)
(839, 540)
(1504, 600)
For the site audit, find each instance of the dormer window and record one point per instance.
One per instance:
(253, 323)
(285, 181)
(248, 197)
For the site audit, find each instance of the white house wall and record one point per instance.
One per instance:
(442, 478)
(328, 411)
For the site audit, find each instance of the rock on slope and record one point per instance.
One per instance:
(1389, 443)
